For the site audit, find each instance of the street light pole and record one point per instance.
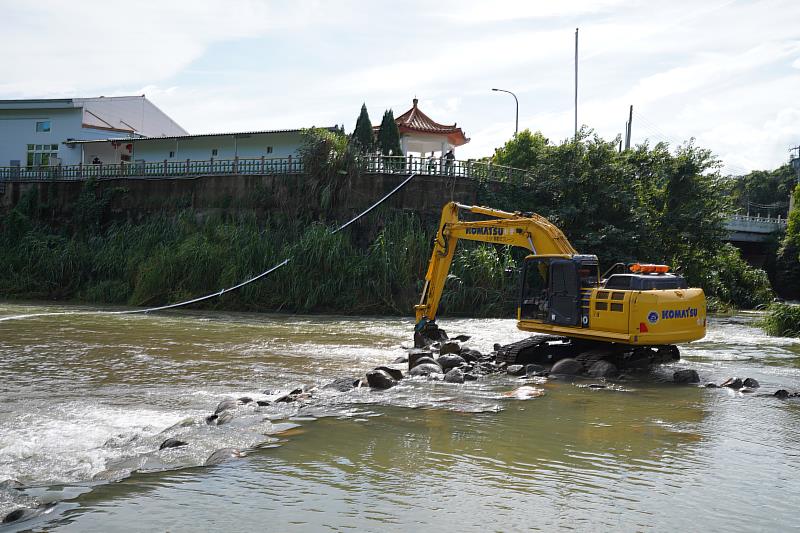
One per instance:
(516, 122)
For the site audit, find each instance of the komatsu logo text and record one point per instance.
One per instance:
(484, 231)
(679, 313)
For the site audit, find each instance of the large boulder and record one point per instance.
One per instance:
(687, 375)
(449, 361)
(455, 375)
(425, 369)
(602, 369)
(380, 379)
(567, 367)
(450, 347)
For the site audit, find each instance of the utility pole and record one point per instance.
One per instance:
(795, 162)
(576, 84)
(628, 129)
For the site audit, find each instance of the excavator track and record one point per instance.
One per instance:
(543, 349)
(549, 349)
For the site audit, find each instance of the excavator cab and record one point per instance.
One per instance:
(554, 288)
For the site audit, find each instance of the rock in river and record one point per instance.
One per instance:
(449, 361)
(535, 370)
(225, 405)
(455, 375)
(341, 385)
(172, 443)
(733, 383)
(602, 369)
(450, 347)
(421, 361)
(567, 367)
(395, 373)
(416, 355)
(425, 369)
(222, 455)
(751, 383)
(379, 379)
(687, 375)
(515, 370)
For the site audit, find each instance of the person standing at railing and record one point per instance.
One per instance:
(448, 163)
(432, 164)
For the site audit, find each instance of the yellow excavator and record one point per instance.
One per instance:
(632, 315)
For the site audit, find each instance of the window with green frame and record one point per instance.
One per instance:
(39, 155)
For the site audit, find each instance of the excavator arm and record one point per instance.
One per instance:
(529, 231)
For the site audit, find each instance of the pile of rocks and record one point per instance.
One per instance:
(742, 385)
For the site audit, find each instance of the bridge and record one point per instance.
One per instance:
(753, 229)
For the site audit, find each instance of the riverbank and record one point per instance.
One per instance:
(97, 392)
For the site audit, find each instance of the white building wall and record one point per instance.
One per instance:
(199, 148)
(18, 130)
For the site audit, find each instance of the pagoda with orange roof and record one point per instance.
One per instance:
(421, 134)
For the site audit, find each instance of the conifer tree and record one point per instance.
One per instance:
(389, 135)
(363, 134)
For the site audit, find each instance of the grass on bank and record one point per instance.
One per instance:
(782, 320)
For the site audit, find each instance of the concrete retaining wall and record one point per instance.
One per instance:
(291, 195)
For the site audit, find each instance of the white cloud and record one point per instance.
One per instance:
(51, 48)
(723, 72)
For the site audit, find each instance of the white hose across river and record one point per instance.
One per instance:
(222, 291)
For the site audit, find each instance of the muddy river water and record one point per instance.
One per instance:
(86, 400)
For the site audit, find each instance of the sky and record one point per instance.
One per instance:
(726, 73)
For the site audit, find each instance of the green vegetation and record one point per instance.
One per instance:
(764, 192)
(363, 135)
(167, 259)
(649, 204)
(782, 320)
(787, 267)
(389, 135)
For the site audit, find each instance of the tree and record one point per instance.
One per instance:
(363, 134)
(787, 268)
(389, 135)
(524, 151)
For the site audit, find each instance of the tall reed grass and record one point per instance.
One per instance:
(782, 320)
(374, 267)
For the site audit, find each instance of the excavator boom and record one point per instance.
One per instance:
(532, 232)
